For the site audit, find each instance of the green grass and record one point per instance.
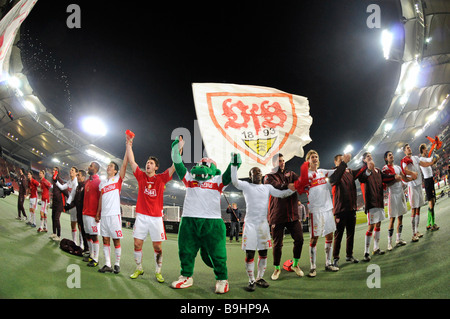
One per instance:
(33, 266)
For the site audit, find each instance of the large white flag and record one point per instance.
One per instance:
(9, 25)
(257, 122)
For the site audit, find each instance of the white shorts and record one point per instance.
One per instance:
(111, 226)
(375, 215)
(73, 214)
(33, 203)
(256, 236)
(44, 206)
(396, 205)
(145, 224)
(322, 223)
(91, 227)
(415, 195)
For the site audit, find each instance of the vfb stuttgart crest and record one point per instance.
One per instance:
(256, 124)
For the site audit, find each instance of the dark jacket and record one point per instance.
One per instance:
(372, 188)
(282, 210)
(59, 195)
(344, 188)
(236, 213)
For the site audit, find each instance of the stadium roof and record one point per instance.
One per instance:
(418, 107)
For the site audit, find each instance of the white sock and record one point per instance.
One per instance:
(376, 239)
(95, 248)
(417, 222)
(74, 236)
(118, 252)
(45, 222)
(367, 240)
(413, 224)
(158, 261)
(250, 267)
(328, 252)
(32, 218)
(262, 265)
(399, 232)
(138, 258)
(107, 253)
(312, 256)
(42, 224)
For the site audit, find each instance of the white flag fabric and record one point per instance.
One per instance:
(257, 122)
(9, 25)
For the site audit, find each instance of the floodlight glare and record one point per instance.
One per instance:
(94, 126)
(14, 82)
(348, 149)
(411, 79)
(386, 42)
(29, 106)
(387, 127)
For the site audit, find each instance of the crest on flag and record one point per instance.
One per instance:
(257, 122)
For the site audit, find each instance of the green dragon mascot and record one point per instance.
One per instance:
(202, 227)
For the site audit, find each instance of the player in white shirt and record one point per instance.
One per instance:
(321, 210)
(256, 231)
(109, 213)
(71, 187)
(411, 167)
(396, 202)
(428, 181)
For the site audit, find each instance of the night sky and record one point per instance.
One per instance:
(133, 65)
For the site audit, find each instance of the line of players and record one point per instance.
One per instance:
(94, 200)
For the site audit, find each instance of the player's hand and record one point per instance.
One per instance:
(398, 178)
(413, 175)
(291, 187)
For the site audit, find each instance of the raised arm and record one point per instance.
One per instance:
(235, 161)
(279, 193)
(177, 159)
(130, 154)
(123, 168)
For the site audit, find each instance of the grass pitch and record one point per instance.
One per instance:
(33, 266)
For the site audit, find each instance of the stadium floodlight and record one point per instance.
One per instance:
(418, 133)
(411, 79)
(432, 117)
(29, 106)
(386, 42)
(370, 148)
(55, 160)
(387, 127)
(348, 149)
(94, 126)
(14, 82)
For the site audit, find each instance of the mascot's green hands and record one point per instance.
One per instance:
(236, 159)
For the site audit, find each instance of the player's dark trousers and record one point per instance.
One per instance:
(296, 231)
(234, 230)
(345, 221)
(81, 224)
(56, 215)
(20, 209)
